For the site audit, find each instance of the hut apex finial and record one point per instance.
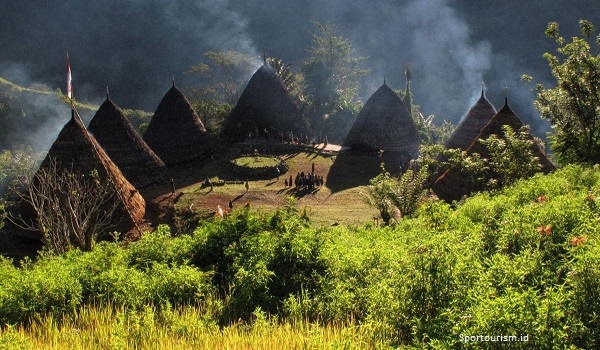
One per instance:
(264, 58)
(384, 80)
(173, 81)
(482, 88)
(107, 93)
(407, 73)
(506, 95)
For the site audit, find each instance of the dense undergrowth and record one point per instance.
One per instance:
(521, 262)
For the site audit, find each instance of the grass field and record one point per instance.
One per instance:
(339, 201)
(186, 328)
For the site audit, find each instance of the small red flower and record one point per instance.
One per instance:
(576, 241)
(542, 199)
(544, 231)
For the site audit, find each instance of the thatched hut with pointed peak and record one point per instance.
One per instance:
(453, 184)
(266, 107)
(75, 150)
(471, 125)
(176, 133)
(125, 147)
(384, 123)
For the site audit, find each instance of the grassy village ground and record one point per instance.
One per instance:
(339, 201)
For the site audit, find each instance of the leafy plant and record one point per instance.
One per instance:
(397, 197)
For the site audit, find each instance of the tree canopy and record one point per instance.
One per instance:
(573, 105)
(331, 73)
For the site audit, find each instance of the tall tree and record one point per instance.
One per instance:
(573, 106)
(225, 74)
(331, 74)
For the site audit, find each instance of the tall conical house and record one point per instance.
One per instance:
(176, 133)
(125, 147)
(265, 106)
(384, 123)
(76, 150)
(453, 184)
(471, 125)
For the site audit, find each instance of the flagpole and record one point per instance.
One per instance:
(69, 79)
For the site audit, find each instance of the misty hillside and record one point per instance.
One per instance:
(33, 116)
(137, 47)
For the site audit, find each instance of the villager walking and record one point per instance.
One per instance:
(172, 187)
(247, 186)
(230, 204)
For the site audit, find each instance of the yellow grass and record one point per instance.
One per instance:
(105, 328)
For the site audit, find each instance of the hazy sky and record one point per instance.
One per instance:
(137, 46)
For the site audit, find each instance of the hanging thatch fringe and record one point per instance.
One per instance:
(175, 133)
(140, 165)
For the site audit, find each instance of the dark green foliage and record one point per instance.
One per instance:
(259, 261)
(522, 261)
(397, 197)
(331, 77)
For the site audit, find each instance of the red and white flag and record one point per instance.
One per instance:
(69, 85)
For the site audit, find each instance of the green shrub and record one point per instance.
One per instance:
(159, 247)
(47, 287)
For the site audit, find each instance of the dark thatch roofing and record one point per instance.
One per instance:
(265, 104)
(140, 165)
(384, 123)
(453, 184)
(76, 150)
(470, 126)
(175, 132)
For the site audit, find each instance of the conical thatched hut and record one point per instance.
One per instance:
(76, 150)
(470, 126)
(175, 133)
(125, 147)
(453, 184)
(384, 123)
(265, 105)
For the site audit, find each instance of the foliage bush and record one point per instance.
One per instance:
(522, 261)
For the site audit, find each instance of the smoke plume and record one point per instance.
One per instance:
(137, 46)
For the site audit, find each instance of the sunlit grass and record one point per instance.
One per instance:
(326, 207)
(256, 161)
(186, 328)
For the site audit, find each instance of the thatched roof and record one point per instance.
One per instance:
(384, 123)
(453, 184)
(265, 104)
(470, 126)
(76, 150)
(175, 133)
(140, 165)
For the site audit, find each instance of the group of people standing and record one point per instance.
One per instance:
(307, 181)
